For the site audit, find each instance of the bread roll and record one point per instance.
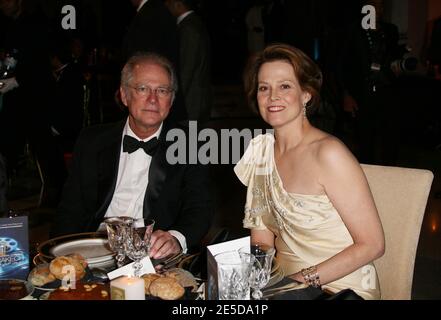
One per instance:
(59, 267)
(80, 259)
(148, 279)
(185, 278)
(41, 275)
(166, 288)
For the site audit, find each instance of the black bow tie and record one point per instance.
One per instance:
(131, 145)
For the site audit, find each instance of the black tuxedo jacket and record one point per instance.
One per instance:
(356, 59)
(177, 197)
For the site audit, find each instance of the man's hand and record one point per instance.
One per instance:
(350, 105)
(7, 85)
(163, 244)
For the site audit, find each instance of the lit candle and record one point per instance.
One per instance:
(127, 288)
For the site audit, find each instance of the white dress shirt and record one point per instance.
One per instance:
(131, 184)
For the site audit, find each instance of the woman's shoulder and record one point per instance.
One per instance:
(334, 159)
(329, 148)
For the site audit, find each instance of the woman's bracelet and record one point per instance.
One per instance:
(311, 277)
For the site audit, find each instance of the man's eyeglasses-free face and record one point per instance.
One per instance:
(144, 91)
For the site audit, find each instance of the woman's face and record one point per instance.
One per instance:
(279, 95)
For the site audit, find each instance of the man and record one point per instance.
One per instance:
(154, 30)
(67, 112)
(111, 177)
(369, 88)
(195, 61)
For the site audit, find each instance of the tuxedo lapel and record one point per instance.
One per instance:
(157, 175)
(107, 167)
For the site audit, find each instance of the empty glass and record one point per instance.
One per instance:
(260, 267)
(138, 242)
(233, 276)
(117, 232)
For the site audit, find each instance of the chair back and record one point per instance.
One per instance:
(400, 196)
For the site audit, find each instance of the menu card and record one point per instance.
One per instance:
(14, 248)
(212, 251)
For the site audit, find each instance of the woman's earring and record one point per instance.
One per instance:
(304, 110)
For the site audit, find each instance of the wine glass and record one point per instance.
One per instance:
(261, 268)
(138, 242)
(117, 232)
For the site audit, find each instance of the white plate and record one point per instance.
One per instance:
(95, 251)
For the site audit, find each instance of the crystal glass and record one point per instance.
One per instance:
(260, 267)
(233, 273)
(117, 232)
(138, 242)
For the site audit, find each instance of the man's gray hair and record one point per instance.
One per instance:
(148, 57)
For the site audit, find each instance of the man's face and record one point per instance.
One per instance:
(146, 98)
(9, 7)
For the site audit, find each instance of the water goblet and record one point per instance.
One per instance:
(233, 272)
(138, 242)
(260, 268)
(117, 232)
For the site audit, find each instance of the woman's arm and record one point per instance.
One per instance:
(263, 237)
(346, 186)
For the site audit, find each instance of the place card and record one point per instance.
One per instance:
(128, 270)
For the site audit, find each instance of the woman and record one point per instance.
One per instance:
(307, 194)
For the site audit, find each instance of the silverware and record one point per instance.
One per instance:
(172, 261)
(100, 274)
